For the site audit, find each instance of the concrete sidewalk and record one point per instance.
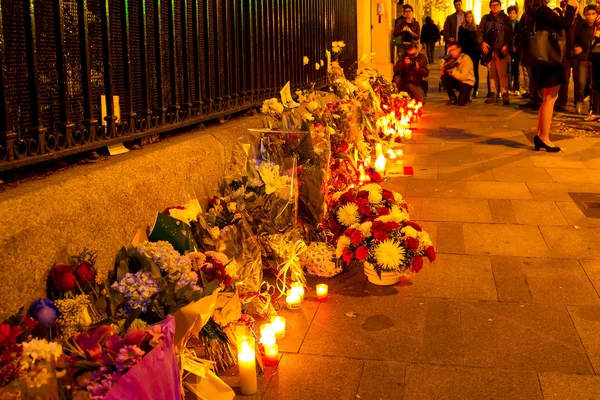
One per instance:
(510, 310)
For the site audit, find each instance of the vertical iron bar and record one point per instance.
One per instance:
(217, 59)
(66, 126)
(196, 46)
(89, 122)
(208, 56)
(175, 107)
(7, 136)
(226, 68)
(160, 92)
(187, 99)
(144, 65)
(128, 118)
(238, 52)
(110, 118)
(36, 128)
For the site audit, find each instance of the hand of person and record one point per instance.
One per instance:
(406, 28)
(417, 65)
(407, 61)
(485, 48)
(504, 50)
(578, 50)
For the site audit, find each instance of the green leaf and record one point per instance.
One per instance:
(131, 317)
(88, 365)
(210, 288)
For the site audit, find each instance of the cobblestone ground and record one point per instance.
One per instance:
(510, 310)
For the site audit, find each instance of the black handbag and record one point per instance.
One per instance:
(544, 48)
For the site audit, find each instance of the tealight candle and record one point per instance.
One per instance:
(267, 335)
(322, 291)
(293, 301)
(278, 324)
(271, 355)
(247, 365)
(298, 288)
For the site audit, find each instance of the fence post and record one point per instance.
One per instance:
(160, 93)
(128, 117)
(187, 99)
(89, 121)
(7, 136)
(146, 104)
(175, 107)
(196, 42)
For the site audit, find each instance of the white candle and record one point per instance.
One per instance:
(322, 291)
(278, 324)
(293, 301)
(298, 288)
(247, 365)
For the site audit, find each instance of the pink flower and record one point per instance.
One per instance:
(156, 335)
(129, 356)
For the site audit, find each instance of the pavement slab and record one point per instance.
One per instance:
(557, 386)
(382, 380)
(587, 323)
(504, 240)
(569, 242)
(455, 210)
(536, 212)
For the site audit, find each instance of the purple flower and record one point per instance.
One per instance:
(44, 311)
(101, 382)
(128, 357)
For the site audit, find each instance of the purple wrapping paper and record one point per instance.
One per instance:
(155, 377)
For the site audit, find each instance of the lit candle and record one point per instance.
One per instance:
(407, 134)
(278, 324)
(267, 334)
(298, 288)
(247, 365)
(322, 290)
(293, 301)
(271, 355)
(380, 163)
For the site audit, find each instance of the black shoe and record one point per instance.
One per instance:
(492, 100)
(505, 99)
(526, 95)
(530, 106)
(539, 144)
(451, 102)
(560, 108)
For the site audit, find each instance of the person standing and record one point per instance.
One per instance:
(495, 36)
(569, 63)
(467, 39)
(548, 77)
(407, 28)
(594, 59)
(453, 22)
(515, 56)
(582, 38)
(457, 74)
(430, 34)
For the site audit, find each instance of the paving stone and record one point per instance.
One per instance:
(551, 161)
(398, 185)
(423, 172)
(583, 187)
(511, 174)
(502, 212)
(455, 210)
(460, 383)
(448, 159)
(509, 161)
(521, 336)
(557, 386)
(301, 376)
(455, 277)
(298, 321)
(415, 205)
(504, 240)
(431, 228)
(568, 175)
(231, 377)
(587, 323)
(568, 242)
(592, 269)
(536, 212)
(556, 191)
(466, 173)
(387, 327)
(574, 215)
(450, 238)
(543, 281)
(473, 190)
(382, 380)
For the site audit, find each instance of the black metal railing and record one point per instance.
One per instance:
(172, 63)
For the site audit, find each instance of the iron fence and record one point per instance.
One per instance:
(172, 63)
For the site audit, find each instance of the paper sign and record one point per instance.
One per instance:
(117, 149)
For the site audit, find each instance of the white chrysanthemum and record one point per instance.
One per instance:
(39, 350)
(365, 229)
(375, 191)
(424, 239)
(348, 214)
(343, 243)
(389, 255)
(410, 231)
(397, 197)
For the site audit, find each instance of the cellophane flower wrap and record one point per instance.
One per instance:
(374, 227)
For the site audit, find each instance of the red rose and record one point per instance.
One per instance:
(383, 211)
(411, 244)
(388, 195)
(414, 225)
(363, 194)
(362, 253)
(417, 264)
(334, 226)
(375, 177)
(347, 256)
(364, 210)
(85, 274)
(347, 197)
(62, 278)
(356, 237)
(380, 235)
(391, 226)
(430, 253)
(348, 232)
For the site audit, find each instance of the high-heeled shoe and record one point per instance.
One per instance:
(539, 144)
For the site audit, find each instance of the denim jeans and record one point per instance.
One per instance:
(581, 75)
(563, 92)
(513, 74)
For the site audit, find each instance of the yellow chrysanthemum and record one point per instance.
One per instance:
(389, 255)
(348, 214)
(365, 229)
(375, 191)
(410, 231)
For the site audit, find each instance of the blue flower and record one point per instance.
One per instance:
(44, 311)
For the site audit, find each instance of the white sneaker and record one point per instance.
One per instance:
(587, 99)
(592, 117)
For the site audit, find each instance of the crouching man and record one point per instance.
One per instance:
(410, 72)
(458, 74)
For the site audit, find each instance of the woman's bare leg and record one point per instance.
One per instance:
(546, 113)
